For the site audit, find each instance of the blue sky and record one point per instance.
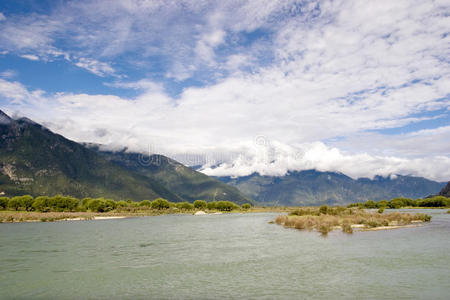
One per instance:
(351, 86)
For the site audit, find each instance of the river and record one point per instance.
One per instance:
(229, 256)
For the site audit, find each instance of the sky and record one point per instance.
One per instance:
(237, 87)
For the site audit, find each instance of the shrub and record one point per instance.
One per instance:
(212, 205)
(4, 202)
(97, 205)
(226, 206)
(41, 203)
(147, 203)
(381, 209)
(324, 229)
(26, 202)
(160, 203)
(63, 203)
(123, 203)
(437, 201)
(323, 209)
(304, 211)
(110, 205)
(185, 205)
(246, 206)
(200, 204)
(14, 203)
(299, 224)
(370, 204)
(347, 228)
(85, 201)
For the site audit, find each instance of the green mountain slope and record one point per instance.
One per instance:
(185, 182)
(36, 161)
(314, 188)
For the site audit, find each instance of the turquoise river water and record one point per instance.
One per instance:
(229, 256)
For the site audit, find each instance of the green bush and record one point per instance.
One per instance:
(212, 205)
(41, 204)
(27, 202)
(200, 204)
(110, 205)
(436, 201)
(370, 204)
(14, 203)
(160, 204)
(4, 202)
(85, 201)
(246, 206)
(381, 209)
(323, 209)
(226, 206)
(63, 203)
(123, 203)
(97, 205)
(185, 205)
(382, 203)
(146, 203)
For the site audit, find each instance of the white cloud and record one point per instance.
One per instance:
(2, 17)
(143, 84)
(8, 74)
(277, 159)
(95, 67)
(30, 57)
(332, 70)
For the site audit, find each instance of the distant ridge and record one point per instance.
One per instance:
(313, 187)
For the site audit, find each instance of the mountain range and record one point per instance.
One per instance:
(36, 161)
(312, 187)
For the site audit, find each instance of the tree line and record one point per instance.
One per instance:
(436, 201)
(61, 203)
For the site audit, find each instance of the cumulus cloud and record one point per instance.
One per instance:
(278, 159)
(317, 80)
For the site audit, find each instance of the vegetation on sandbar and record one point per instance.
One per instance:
(43, 208)
(325, 219)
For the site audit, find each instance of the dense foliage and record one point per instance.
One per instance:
(436, 201)
(61, 203)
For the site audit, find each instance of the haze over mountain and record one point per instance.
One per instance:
(33, 160)
(313, 188)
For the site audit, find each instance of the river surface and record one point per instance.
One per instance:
(229, 256)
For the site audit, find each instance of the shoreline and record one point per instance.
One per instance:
(33, 216)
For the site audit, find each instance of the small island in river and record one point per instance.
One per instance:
(325, 219)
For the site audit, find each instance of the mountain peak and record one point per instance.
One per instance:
(4, 118)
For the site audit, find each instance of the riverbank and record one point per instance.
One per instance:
(30, 216)
(10, 216)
